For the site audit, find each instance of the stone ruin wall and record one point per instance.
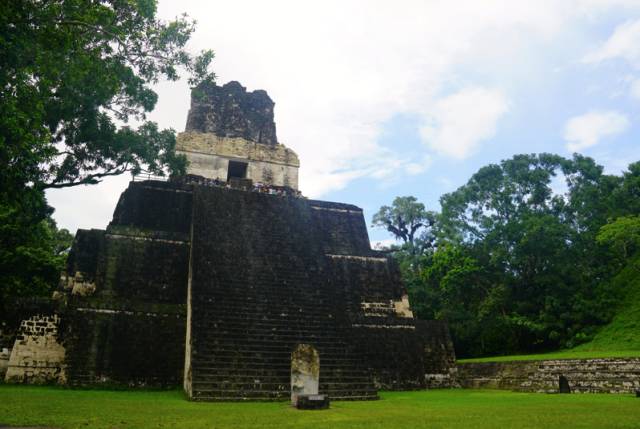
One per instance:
(383, 325)
(260, 287)
(123, 303)
(439, 354)
(292, 264)
(228, 123)
(37, 356)
(12, 316)
(612, 375)
(232, 111)
(209, 156)
(131, 330)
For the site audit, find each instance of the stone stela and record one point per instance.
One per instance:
(232, 284)
(305, 374)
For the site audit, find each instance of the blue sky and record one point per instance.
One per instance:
(382, 99)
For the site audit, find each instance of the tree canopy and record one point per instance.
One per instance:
(405, 218)
(523, 253)
(74, 74)
(72, 70)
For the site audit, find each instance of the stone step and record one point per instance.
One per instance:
(251, 395)
(218, 373)
(280, 398)
(244, 313)
(272, 337)
(262, 283)
(233, 327)
(240, 318)
(268, 375)
(246, 361)
(275, 385)
(285, 313)
(257, 333)
(274, 295)
(204, 362)
(243, 371)
(346, 371)
(313, 326)
(270, 340)
(269, 298)
(250, 369)
(262, 355)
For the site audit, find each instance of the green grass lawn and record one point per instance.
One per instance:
(27, 405)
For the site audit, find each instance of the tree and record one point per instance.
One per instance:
(404, 219)
(32, 265)
(625, 198)
(71, 69)
(622, 234)
(539, 243)
(522, 259)
(74, 73)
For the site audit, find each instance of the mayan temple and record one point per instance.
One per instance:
(213, 280)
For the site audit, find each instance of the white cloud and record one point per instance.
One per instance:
(446, 183)
(634, 89)
(464, 119)
(623, 43)
(587, 130)
(338, 71)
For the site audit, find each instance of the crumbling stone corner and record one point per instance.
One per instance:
(37, 356)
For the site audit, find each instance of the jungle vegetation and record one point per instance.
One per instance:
(524, 257)
(74, 74)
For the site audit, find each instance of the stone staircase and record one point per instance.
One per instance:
(269, 288)
(250, 334)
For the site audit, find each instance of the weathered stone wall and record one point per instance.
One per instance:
(403, 352)
(15, 311)
(12, 315)
(227, 123)
(209, 156)
(340, 228)
(134, 346)
(160, 207)
(439, 355)
(269, 273)
(231, 111)
(129, 330)
(218, 286)
(260, 287)
(613, 375)
(37, 355)
(83, 256)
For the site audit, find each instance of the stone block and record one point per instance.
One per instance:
(612, 375)
(312, 402)
(231, 111)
